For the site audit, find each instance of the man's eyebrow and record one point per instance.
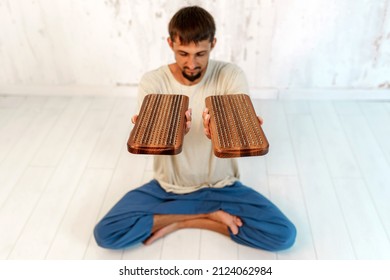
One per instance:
(202, 51)
(197, 53)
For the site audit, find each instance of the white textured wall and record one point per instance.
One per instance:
(280, 44)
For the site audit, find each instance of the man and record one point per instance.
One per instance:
(194, 189)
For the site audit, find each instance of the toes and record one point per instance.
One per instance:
(238, 221)
(233, 229)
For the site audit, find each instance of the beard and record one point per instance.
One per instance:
(191, 78)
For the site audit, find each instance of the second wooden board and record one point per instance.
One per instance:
(234, 126)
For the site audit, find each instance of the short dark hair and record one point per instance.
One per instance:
(192, 24)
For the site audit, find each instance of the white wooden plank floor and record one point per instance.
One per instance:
(63, 165)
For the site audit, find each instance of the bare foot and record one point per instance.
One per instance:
(233, 222)
(161, 233)
(218, 221)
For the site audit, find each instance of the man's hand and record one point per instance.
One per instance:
(261, 121)
(206, 122)
(188, 120)
(134, 119)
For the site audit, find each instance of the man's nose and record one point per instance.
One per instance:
(191, 63)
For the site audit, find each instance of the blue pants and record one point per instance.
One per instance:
(130, 221)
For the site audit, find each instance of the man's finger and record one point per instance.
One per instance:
(134, 119)
(261, 120)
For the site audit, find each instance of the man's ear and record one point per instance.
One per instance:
(213, 43)
(170, 42)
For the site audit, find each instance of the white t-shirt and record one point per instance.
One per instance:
(196, 166)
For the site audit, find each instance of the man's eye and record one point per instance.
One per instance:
(183, 54)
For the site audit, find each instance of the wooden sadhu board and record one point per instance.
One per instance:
(160, 125)
(234, 127)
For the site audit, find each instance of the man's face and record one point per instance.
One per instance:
(192, 59)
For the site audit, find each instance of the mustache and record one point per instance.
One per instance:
(187, 68)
